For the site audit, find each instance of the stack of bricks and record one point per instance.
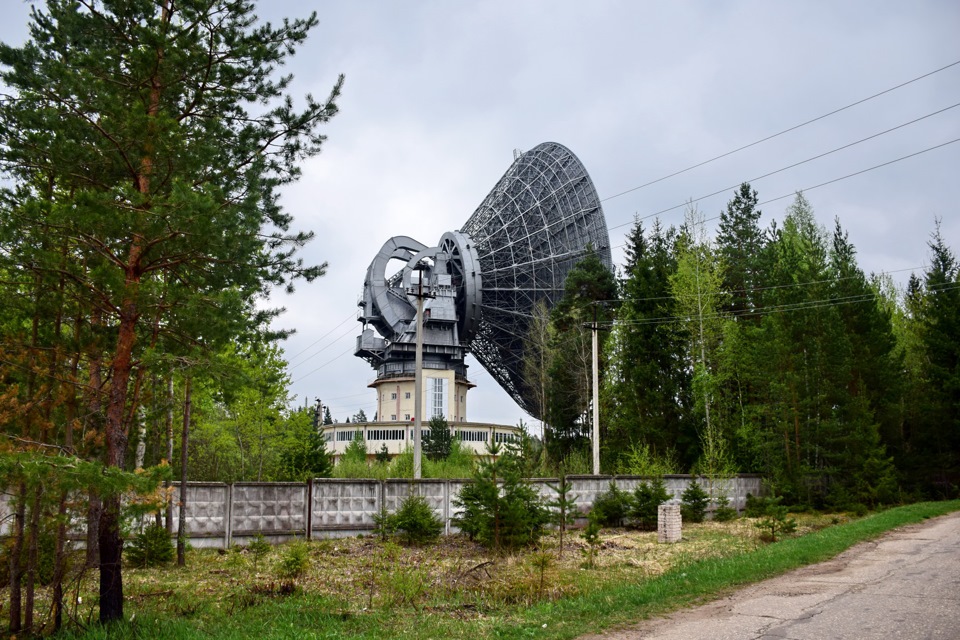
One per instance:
(668, 523)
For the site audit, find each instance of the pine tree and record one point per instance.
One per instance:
(150, 139)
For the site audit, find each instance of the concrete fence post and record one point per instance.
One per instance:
(228, 518)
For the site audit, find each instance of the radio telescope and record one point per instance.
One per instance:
(483, 282)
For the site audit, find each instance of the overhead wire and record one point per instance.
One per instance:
(352, 316)
(343, 335)
(811, 159)
(780, 133)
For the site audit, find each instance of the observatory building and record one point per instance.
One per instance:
(478, 287)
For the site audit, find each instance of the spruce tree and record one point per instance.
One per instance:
(647, 389)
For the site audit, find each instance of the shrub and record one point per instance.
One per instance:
(258, 547)
(591, 534)
(611, 507)
(756, 506)
(151, 548)
(647, 497)
(414, 522)
(295, 561)
(499, 508)
(564, 507)
(774, 522)
(724, 512)
(694, 503)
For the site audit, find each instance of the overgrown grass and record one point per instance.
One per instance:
(375, 590)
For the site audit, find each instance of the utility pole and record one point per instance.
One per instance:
(418, 376)
(596, 396)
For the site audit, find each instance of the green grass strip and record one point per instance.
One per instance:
(601, 608)
(704, 580)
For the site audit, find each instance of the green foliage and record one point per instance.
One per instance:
(641, 460)
(588, 290)
(724, 512)
(611, 508)
(694, 503)
(304, 455)
(356, 451)
(591, 534)
(383, 455)
(647, 497)
(258, 548)
(294, 560)
(773, 522)
(414, 522)
(152, 547)
(437, 442)
(564, 506)
(499, 508)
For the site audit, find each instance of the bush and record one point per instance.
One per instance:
(295, 561)
(694, 503)
(258, 547)
(773, 522)
(152, 547)
(611, 507)
(647, 497)
(756, 506)
(414, 522)
(499, 508)
(724, 512)
(591, 534)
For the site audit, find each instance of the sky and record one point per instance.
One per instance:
(439, 94)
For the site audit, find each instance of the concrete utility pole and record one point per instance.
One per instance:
(418, 378)
(596, 398)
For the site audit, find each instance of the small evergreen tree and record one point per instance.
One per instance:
(437, 442)
(694, 503)
(383, 455)
(611, 508)
(414, 522)
(356, 451)
(499, 508)
(564, 506)
(647, 497)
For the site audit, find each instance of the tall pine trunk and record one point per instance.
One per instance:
(182, 520)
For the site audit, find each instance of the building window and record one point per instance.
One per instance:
(345, 436)
(437, 397)
(393, 396)
(407, 395)
(406, 416)
(471, 436)
(384, 434)
(393, 417)
(505, 437)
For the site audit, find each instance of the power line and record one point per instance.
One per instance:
(300, 379)
(857, 173)
(333, 342)
(775, 135)
(297, 354)
(797, 164)
(763, 311)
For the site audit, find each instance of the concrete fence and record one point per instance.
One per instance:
(219, 515)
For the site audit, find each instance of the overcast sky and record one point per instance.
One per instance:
(438, 94)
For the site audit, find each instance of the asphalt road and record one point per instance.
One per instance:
(905, 585)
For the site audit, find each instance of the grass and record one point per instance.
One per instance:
(363, 588)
